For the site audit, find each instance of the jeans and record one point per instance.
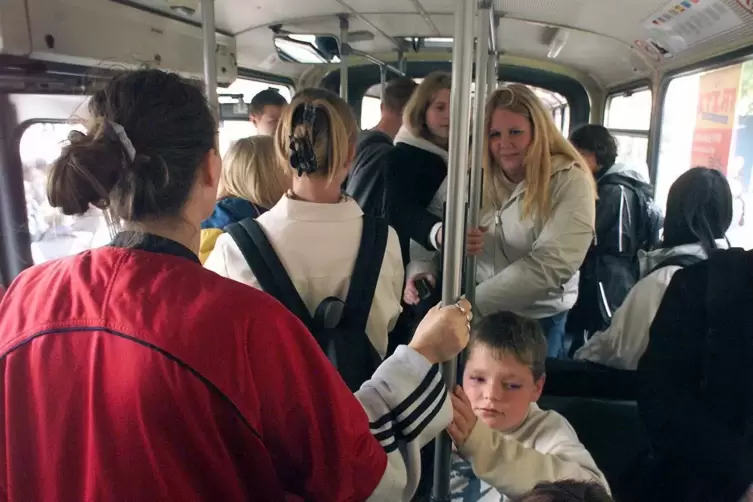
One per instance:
(554, 331)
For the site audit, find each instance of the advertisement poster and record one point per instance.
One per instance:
(715, 119)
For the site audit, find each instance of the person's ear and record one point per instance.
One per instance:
(539, 387)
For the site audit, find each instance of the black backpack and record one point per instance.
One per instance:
(650, 220)
(338, 327)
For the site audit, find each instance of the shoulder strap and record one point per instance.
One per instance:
(366, 271)
(266, 266)
(680, 260)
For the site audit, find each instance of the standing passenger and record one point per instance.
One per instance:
(626, 223)
(538, 200)
(251, 182)
(366, 181)
(266, 109)
(314, 229)
(129, 372)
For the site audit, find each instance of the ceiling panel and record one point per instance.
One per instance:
(402, 24)
(381, 5)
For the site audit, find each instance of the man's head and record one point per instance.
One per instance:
(396, 96)
(266, 108)
(505, 369)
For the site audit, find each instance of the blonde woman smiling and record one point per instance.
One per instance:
(539, 204)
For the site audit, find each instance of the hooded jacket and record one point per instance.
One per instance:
(416, 172)
(622, 345)
(528, 266)
(610, 269)
(226, 211)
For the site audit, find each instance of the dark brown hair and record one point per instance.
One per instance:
(397, 93)
(171, 127)
(568, 490)
(508, 333)
(267, 97)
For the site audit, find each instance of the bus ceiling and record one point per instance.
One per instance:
(590, 41)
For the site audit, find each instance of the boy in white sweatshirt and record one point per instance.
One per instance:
(506, 443)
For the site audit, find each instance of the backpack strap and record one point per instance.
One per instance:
(266, 266)
(366, 271)
(680, 260)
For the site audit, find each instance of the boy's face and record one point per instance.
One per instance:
(500, 388)
(266, 123)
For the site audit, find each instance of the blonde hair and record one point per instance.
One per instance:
(546, 142)
(251, 171)
(414, 115)
(331, 135)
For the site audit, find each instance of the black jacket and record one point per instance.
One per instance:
(413, 177)
(696, 381)
(366, 182)
(610, 268)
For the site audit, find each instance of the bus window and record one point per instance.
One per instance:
(232, 130)
(53, 234)
(628, 116)
(708, 121)
(370, 112)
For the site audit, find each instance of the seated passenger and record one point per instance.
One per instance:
(314, 229)
(538, 202)
(506, 443)
(567, 491)
(266, 109)
(699, 212)
(130, 372)
(251, 182)
(366, 180)
(695, 379)
(627, 222)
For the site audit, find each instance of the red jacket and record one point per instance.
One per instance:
(135, 374)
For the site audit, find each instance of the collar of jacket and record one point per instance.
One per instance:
(407, 137)
(299, 210)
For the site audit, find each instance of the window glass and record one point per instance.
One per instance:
(232, 130)
(629, 111)
(370, 112)
(708, 121)
(53, 234)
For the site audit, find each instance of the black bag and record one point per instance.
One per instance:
(338, 327)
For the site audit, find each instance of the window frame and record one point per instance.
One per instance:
(627, 92)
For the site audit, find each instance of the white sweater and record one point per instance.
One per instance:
(507, 464)
(318, 244)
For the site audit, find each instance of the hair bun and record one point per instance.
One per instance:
(85, 173)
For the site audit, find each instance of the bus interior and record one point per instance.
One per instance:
(672, 80)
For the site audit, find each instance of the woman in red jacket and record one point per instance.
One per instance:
(132, 373)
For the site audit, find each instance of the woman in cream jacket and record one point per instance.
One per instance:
(539, 206)
(314, 229)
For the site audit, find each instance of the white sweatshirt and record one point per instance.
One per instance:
(493, 466)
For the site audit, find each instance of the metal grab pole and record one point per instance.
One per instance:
(474, 202)
(494, 59)
(493, 68)
(454, 221)
(210, 55)
(383, 79)
(344, 26)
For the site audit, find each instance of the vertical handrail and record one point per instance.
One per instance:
(454, 221)
(477, 156)
(344, 26)
(210, 55)
(383, 79)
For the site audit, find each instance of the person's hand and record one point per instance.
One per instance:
(463, 418)
(410, 295)
(474, 241)
(443, 332)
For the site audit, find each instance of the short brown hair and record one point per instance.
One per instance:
(397, 93)
(414, 116)
(567, 490)
(508, 333)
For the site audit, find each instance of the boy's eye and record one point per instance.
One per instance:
(512, 386)
(477, 379)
